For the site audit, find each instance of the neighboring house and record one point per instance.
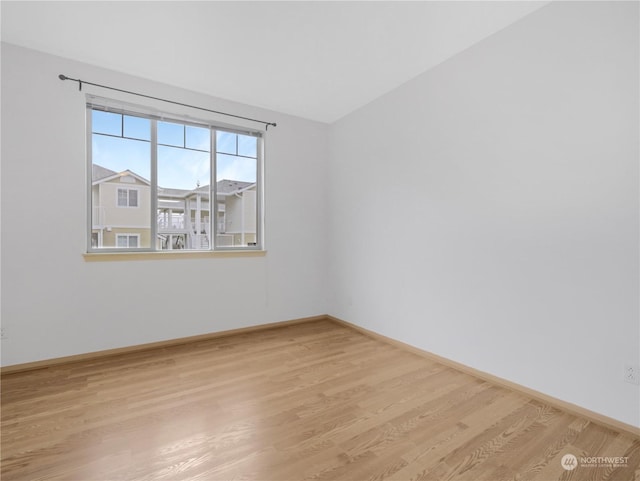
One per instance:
(237, 215)
(120, 205)
(121, 202)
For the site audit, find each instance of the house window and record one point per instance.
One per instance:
(127, 198)
(194, 186)
(127, 240)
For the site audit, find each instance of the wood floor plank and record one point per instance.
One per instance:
(311, 401)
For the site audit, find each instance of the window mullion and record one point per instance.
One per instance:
(154, 186)
(260, 215)
(213, 191)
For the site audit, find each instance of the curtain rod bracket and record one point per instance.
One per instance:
(80, 82)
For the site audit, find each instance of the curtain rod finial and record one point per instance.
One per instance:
(62, 77)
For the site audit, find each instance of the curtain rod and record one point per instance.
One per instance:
(80, 82)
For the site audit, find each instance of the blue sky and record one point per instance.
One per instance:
(178, 167)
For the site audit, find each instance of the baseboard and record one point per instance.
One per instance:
(30, 366)
(592, 416)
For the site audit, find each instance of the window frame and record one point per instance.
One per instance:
(153, 115)
(128, 190)
(128, 235)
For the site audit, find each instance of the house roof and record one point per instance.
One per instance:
(224, 187)
(124, 173)
(98, 172)
(231, 186)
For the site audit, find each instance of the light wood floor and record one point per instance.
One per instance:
(309, 401)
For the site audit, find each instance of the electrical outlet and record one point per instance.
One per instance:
(632, 373)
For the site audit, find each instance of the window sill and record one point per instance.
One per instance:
(139, 256)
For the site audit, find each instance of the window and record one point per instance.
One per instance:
(161, 183)
(127, 240)
(127, 198)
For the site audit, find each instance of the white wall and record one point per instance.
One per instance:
(54, 303)
(487, 211)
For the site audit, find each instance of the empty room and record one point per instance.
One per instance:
(320, 240)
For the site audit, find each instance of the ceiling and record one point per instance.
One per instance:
(317, 60)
